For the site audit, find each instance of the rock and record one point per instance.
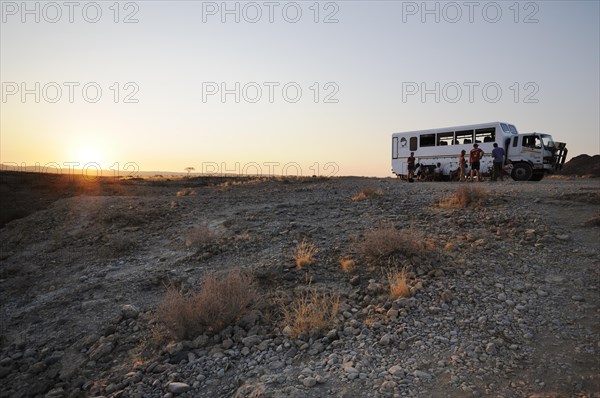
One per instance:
(386, 339)
(102, 350)
(227, 344)
(288, 331)
(201, 341)
(421, 375)
(490, 348)
(309, 381)
(387, 387)
(36, 368)
(174, 347)
(177, 387)
(130, 311)
(396, 371)
(251, 341)
(4, 371)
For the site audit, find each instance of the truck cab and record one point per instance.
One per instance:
(533, 155)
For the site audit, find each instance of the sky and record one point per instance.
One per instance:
(283, 87)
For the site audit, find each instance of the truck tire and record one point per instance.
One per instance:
(537, 176)
(522, 172)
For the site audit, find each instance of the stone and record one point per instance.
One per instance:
(396, 371)
(288, 331)
(102, 350)
(386, 339)
(130, 311)
(309, 382)
(178, 387)
(251, 341)
(421, 375)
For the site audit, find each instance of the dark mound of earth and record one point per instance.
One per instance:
(582, 165)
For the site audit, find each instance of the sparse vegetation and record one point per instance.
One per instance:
(388, 244)
(311, 310)
(186, 192)
(199, 236)
(464, 196)
(367, 193)
(398, 282)
(348, 264)
(304, 254)
(220, 302)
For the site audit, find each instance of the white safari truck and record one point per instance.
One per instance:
(531, 154)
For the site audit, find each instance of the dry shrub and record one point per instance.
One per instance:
(199, 237)
(304, 254)
(367, 193)
(311, 310)
(398, 282)
(348, 265)
(186, 192)
(388, 243)
(464, 196)
(220, 302)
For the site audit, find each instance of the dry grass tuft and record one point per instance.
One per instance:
(199, 236)
(186, 192)
(398, 282)
(348, 265)
(387, 243)
(311, 310)
(220, 302)
(464, 196)
(367, 193)
(304, 254)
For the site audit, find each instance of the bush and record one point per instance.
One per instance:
(464, 196)
(220, 302)
(311, 310)
(199, 237)
(388, 243)
(367, 193)
(186, 192)
(398, 282)
(304, 254)
(348, 265)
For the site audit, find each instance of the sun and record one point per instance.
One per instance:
(87, 155)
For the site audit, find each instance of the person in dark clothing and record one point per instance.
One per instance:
(498, 156)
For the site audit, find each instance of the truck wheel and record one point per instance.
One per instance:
(537, 176)
(522, 172)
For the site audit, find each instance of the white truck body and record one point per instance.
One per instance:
(532, 155)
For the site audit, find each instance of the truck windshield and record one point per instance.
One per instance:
(513, 129)
(547, 141)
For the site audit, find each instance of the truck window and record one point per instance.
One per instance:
(395, 148)
(427, 140)
(485, 135)
(532, 141)
(515, 141)
(464, 137)
(445, 138)
(505, 128)
(513, 129)
(413, 143)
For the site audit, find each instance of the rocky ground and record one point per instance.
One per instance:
(505, 304)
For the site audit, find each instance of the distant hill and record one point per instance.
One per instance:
(582, 165)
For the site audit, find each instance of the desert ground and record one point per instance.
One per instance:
(499, 288)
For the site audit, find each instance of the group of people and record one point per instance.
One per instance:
(474, 161)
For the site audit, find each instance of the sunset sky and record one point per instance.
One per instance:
(317, 84)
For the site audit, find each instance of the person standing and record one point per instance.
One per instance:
(474, 159)
(411, 166)
(498, 156)
(462, 166)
